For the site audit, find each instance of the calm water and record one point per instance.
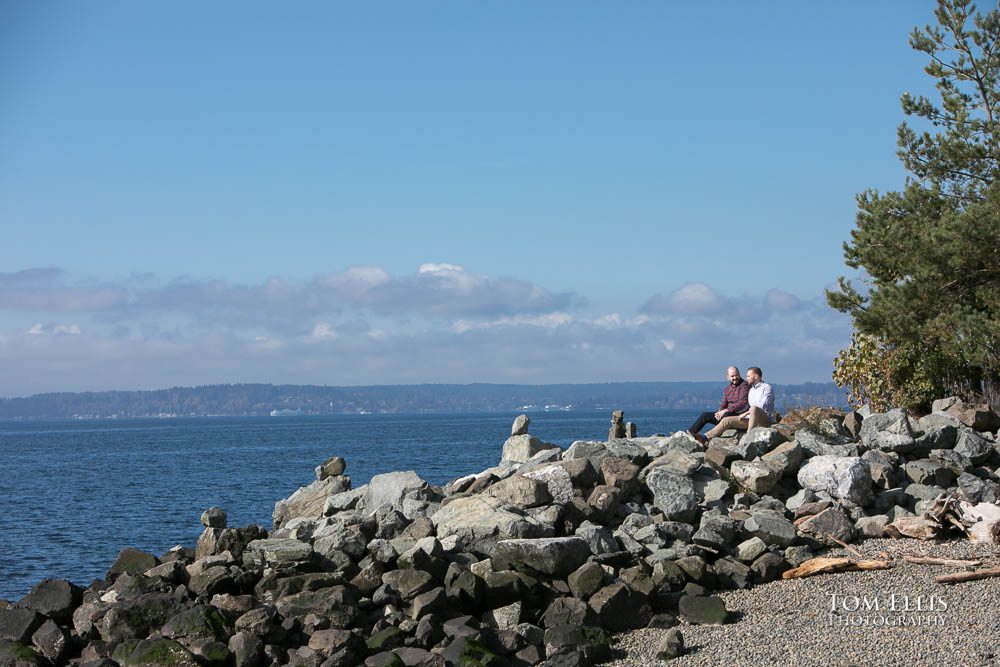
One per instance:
(74, 493)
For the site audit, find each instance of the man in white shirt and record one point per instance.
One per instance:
(761, 399)
(760, 412)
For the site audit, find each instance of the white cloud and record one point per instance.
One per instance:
(324, 330)
(779, 300)
(439, 324)
(689, 299)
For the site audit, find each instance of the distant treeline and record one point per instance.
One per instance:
(262, 399)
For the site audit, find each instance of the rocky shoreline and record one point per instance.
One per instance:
(546, 558)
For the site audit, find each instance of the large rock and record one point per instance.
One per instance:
(55, 598)
(814, 444)
(552, 556)
(937, 435)
(52, 641)
(758, 476)
(154, 653)
(558, 480)
(847, 478)
(480, 521)
(700, 610)
(787, 457)
(674, 494)
(619, 608)
(198, 622)
(135, 619)
(771, 528)
(277, 552)
(596, 452)
(309, 501)
(759, 441)
(621, 473)
(395, 489)
(17, 625)
(521, 491)
(131, 561)
(889, 431)
(520, 448)
(973, 446)
(832, 522)
(880, 467)
(332, 467)
(977, 417)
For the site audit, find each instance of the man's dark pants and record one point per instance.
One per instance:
(703, 418)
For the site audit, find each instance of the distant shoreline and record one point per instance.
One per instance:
(259, 400)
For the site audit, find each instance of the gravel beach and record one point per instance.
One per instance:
(789, 622)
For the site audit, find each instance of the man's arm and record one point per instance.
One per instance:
(768, 401)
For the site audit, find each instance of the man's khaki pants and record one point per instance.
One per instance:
(757, 418)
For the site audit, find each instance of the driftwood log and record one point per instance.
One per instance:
(959, 577)
(826, 565)
(947, 562)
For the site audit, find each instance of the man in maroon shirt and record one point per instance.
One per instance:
(734, 402)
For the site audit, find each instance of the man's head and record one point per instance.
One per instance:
(754, 375)
(733, 374)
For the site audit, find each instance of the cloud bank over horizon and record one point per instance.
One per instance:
(441, 323)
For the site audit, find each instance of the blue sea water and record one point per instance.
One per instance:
(74, 493)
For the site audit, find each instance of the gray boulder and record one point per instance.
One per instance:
(758, 476)
(480, 521)
(973, 446)
(872, 526)
(748, 550)
(716, 532)
(55, 598)
(277, 553)
(214, 517)
(397, 490)
(813, 444)
(846, 478)
(309, 501)
(520, 425)
(557, 480)
(888, 431)
(771, 528)
(332, 467)
(552, 556)
(658, 445)
(880, 467)
(521, 491)
(787, 457)
(17, 625)
(938, 436)
(978, 490)
(832, 522)
(699, 610)
(760, 441)
(520, 448)
(925, 471)
(674, 494)
(600, 540)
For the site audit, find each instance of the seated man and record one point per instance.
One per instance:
(760, 412)
(734, 402)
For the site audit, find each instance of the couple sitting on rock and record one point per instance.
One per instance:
(745, 405)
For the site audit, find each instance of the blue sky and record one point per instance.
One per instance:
(366, 193)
